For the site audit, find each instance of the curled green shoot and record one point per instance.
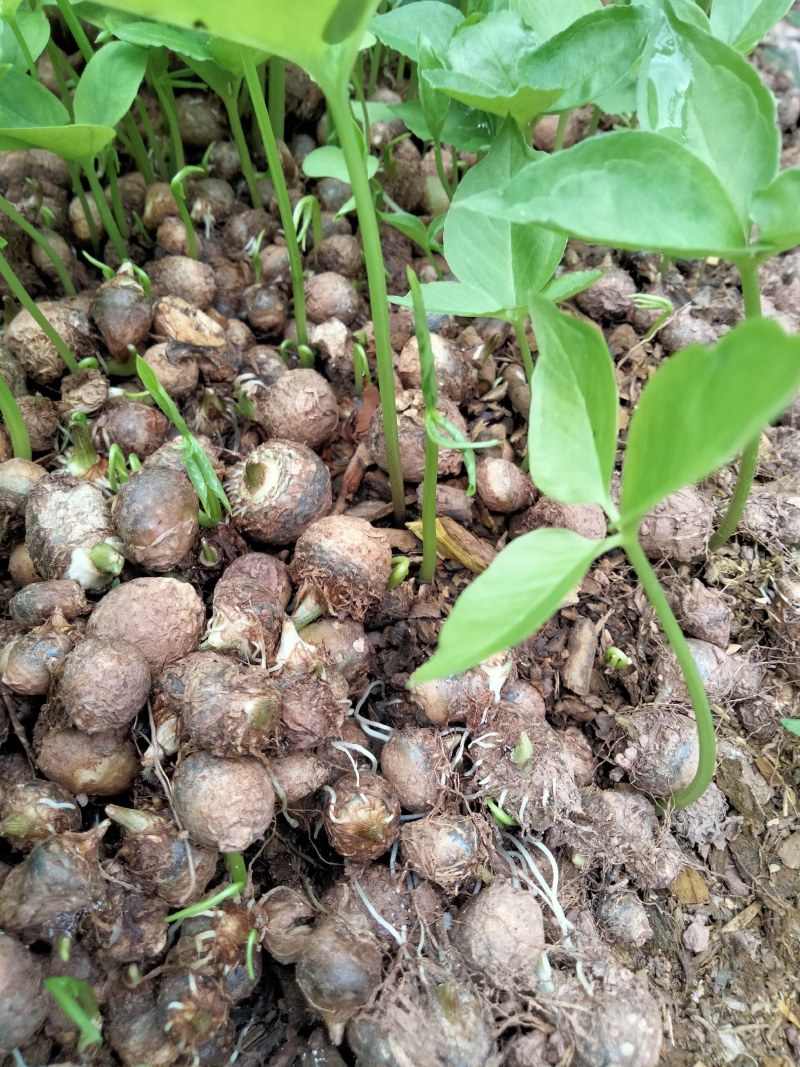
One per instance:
(78, 1002)
(361, 373)
(236, 868)
(400, 568)
(197, 464)
(252, 941)
(500, 815)
(178, 191)
(254, 248)
(119, 470)
(305, 353)
(58, 264)
(307, 216)
(14, 422)
(83, 455)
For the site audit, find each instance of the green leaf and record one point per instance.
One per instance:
(743, 23)
(519, 591)
(547, 18)
(792, 725)
(465, 127)
(588, 58)
(147, 376)
(398, 29)
(35, 31)
(706, 97)
(702, 406)
(25, 102)
(435, 105)
(218, 80)
(411, 225)
(329, 162)
(569, 285)
(229, 56)
(628, 189)
(507, 260)
(8, 8)
(323, 38)
(77, 143)
(776, 212)
(454, 298)
(109, 84)
(572, 430)
(485, 56)
(189, 43)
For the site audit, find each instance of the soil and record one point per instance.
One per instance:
(723, 958)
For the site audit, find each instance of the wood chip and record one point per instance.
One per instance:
(456, 543)
(689, 887)
(576, 674)
(743, 919)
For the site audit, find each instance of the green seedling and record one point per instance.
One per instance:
(78, 1002)
(792, 725)
(119, 470)
(499, 265)
(307, 216)
(235, 865)
(14, 422)
(652, 302)
(616, 658)
(331, 37)
(252, 941)
(361, 373)
(439, 432)
(305, 354)
(693, 415)
(254, 248)
(179, 192)
(83, 455)
(414, 228)
(695, 181)
(198, 466)
(58, 264)
(500, 815)
(400, 568)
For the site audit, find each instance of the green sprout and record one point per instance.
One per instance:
(616, 658)
(178, 191)
(14, 422)
(400, 567)
(361, 373)
(119, 470)
(78, 1002)
(83, 455)
(234, 862)
(307, 216)
(500, 815)
(198, 466)
(304, 353)
(254, 248)
(252, 940)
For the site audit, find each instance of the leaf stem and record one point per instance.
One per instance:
(440, 171)
(694, 683)
(15, 424)
(231, 101)
(524, 347)
(561, 129)
(339, 108)
(277, 95)
(102, 209)
(58, 264)
(19, 291)
(751, 291)
(281, 193)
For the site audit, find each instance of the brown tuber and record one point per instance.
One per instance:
(299, 406)
(343, 564)
(411, 430)
(24, 1006)
(104, 684)
(156, 516)
(286, 920)
(223, 803)
(415, 764)
(278, 491)
(99, 764)
(338, 972)
(443, 848)
(501, 935)
(122, 313)
(362, 816)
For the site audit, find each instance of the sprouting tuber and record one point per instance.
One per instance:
(156, 516)
(362, 816)
(31, 811)
(246, 618)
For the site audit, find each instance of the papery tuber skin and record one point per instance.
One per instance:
(299, 406)
(330, 296)
(20, 567)
(313, 704)
(130, 927)
(618, 827)
(122, 313)
(278, 491)
(452, 375)
(363, 820)
(60, 876)
(194, 1010)
(622, 1025)
(213, 200)
(17, 479)
(659, 750)
(411, 431)
(415, 764)
(624, 917)
(271, 573)
(723, 675)
(390, 897)
(29, 662)
(163, 617)
(134, 1029)
(85, 391)
(226, 707)
(502, 486)
(223, 803)
(501, 935)
(345, 644)
(199, 120)
(246, 618)
(175, 366)
(66, 520)
(702, 612)
(679, 527)
(26, 340)
(99, 764)
(24, 1005)
(31, 811)
(609, 298)
(338, 971)
(344, 564)
(190, 279)
(135, 427)
(443, 848)
(425, 1008)
(265, 308)
(466, 696)
(285, 919)
(104, 684)
(161, 860)
(156, 516)
(298, 774)
(41, 421)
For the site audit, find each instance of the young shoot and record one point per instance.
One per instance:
(304, 354)
(307, 216)
(235, 865)
(119, 470)
(253, 249)
(361, 373)
(78, 1002)
(178, 191)
(14, 422)
(83, 455)
(198, 466)
(400, 569)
